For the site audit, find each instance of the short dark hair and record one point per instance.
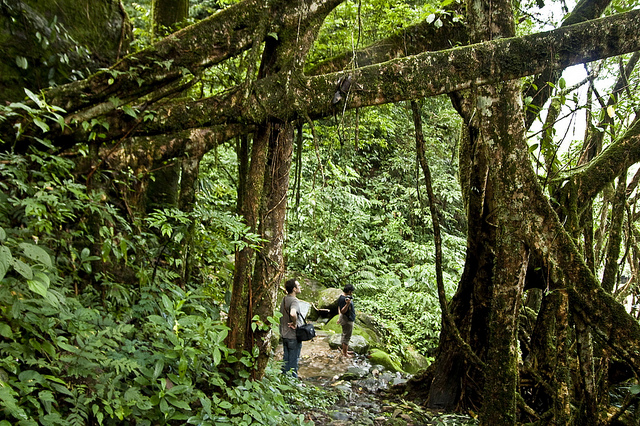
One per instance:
(348, 288)
(290, 285)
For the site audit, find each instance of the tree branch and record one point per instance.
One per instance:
(423, 75)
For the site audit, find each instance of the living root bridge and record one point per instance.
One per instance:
(289, 95)
(417, 76)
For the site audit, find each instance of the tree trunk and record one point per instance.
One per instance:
(269, 268)
(167, 14)
(240, 307)
(258, 274)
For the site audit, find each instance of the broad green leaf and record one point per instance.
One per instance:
(130, 111)
(158, 369)
(5, 261)
(221, 336)
(167, 303)
(10, 404)
(5, 331)
(178, 403)
(22, 268)
(22, 62)
(31, 376)
(217, 356)
(157, 319)
(39, 284)
(164, 407)
(178, 389)
(36, 253)
(41, 124)
(34, 98)
(206, 404)
(225, 405)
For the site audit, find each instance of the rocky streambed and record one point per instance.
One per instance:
(362, 389)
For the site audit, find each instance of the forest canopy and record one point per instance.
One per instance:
(174, 162)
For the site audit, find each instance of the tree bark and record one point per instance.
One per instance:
(166, 14)
(269, 268)
(258, 274)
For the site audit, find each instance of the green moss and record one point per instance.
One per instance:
(382, 358)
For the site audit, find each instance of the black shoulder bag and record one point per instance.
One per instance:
(305, 331)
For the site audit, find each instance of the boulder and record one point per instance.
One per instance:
(414, 361)
(357, 343)
(382, 358)
(53, 42)
(328, 299)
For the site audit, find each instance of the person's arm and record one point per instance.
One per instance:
(293, 315)
(345, 308)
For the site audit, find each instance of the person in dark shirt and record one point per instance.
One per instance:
(347, 317)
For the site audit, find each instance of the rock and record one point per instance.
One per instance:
(379, 357)
(338, 415)
(349, 377)
(344, 386)
(398, 381)
(328, 299)
(354, 373)
(359, 370)
(357, 344)
(72, 37)
(414, 361)
(372, 384)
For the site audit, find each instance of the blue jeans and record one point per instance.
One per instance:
(291, 349)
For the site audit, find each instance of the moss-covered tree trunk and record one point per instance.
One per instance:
(269, 270)
(498, 115)
(258, 273)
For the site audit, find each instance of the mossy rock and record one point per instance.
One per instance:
(84, 38)
(378, 357)
(367, 329)
(333, 326)
(414, 361)
(359, 329)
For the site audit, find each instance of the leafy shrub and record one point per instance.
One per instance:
(361, 217)
(94, 329)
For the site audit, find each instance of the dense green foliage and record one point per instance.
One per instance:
(86, 347)
(110, 315)
(98, 325)
(359, 215)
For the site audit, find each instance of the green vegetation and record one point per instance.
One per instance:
(97, 326)
(82, 344)
(116, 298)
(359, 216)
